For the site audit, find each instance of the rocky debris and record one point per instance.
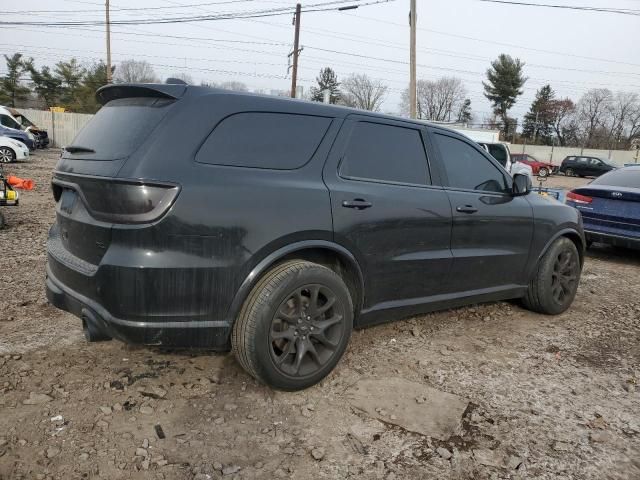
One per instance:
(106, 410)
(141, 452)
(440, 416)
(230, 469)
(318, 453)
(146, 410)
(37, 399)
(444, 453)
(52, 452)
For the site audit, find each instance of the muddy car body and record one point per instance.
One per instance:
(194, 217)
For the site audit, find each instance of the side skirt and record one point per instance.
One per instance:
(396, 310)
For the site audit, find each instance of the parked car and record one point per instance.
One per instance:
(12, 150)
(40, 134)
(501, 153)
(195, 217)
(584, 166)
(542, 169)
(18, 135)
(610, 207)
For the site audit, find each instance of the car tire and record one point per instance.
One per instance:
(297, 306)
(555, 282)
(7, 155)
(543, 172)
(569, 172)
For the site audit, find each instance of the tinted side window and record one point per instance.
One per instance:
(7, 121)
(467, 168)
(387, 153)
(280, 141)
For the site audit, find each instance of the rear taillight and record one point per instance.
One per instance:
(577, 198)
(120, 201)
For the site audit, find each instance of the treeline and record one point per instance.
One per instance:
(599, 119)
(69, 84)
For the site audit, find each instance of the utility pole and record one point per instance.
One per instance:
(108, 43)
(412, 69)
(296, 51)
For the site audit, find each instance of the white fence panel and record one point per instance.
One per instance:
(555, 155)
(62, 127)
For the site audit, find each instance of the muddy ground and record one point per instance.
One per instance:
(548, 397)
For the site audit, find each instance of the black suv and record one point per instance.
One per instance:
(194, 217)
(586, 166)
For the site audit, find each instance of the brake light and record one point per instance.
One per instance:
(120, 201)
(577, 198)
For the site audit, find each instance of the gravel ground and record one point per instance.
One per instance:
(548, 397)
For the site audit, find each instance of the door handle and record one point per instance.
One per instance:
(466, 209)
(358, 204)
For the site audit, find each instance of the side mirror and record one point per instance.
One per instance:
(521, 185)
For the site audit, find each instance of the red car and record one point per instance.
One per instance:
(542, 169)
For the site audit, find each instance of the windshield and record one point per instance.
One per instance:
(608, 162)
(23, 120)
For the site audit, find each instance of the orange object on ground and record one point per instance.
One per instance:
(23, 184)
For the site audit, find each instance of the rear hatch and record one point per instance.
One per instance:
(89, 196)
(614, 210)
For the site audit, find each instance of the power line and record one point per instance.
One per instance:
(504, 44)
(122, 9)
(623, 11)
(318, 7)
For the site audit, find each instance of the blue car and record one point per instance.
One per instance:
(610, 207)
(19, 135)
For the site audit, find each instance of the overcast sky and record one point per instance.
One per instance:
(572, 50)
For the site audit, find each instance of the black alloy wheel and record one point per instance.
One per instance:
(306, 330)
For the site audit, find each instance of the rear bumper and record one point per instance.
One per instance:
(613, 239)
(186, 334)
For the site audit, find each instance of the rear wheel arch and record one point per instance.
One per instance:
(325, 253)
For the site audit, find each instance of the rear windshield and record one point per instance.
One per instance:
(624, 177)
(120, 127)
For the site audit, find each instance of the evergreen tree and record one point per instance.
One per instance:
(503, 87)
(327, 80)
(538, 122)
(94, 78)
(464, 115)
(45, 83)
(70, 74)
(11, 90)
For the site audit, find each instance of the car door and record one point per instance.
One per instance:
(389, 211)
(492, 229)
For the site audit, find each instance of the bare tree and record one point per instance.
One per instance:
(233, 85)
(562, 119)
(622, 110)
(185, 77)
(135, 71)
(438, 100)
(593, 115)
(360, 91)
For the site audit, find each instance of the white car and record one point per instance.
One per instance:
(12, 150)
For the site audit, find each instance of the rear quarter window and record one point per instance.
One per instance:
(280, 141)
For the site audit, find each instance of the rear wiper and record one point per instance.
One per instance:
(78, 148)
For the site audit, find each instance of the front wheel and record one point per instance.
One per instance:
(7, 155)
(294, 326)
(555, 282)
(569, 172)
(543, 172)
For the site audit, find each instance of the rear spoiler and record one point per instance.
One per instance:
(128, 90)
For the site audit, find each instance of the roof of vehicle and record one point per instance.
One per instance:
(124, 90)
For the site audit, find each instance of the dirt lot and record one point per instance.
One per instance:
(548, 397)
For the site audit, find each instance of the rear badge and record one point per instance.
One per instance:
(616, 194)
